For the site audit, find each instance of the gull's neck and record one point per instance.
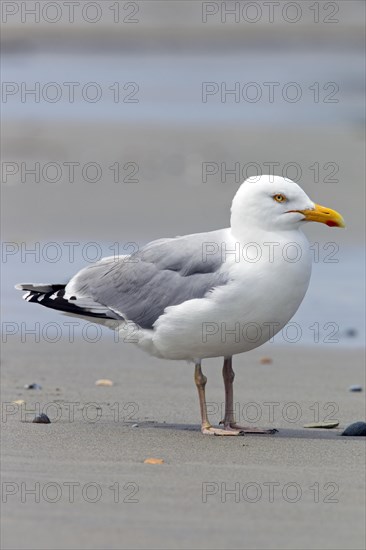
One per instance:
(245, 234)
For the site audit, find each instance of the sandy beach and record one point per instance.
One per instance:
(169, 163)
(301, 488)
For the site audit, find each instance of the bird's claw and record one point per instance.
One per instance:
(248, 429)
(209, 430)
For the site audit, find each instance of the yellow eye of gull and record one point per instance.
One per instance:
(280, 198)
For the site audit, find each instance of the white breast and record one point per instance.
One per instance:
(259, 300)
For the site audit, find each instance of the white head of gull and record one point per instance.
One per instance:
(204, 295)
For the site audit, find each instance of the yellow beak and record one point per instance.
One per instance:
(323, 215)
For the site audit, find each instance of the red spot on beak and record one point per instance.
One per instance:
(331, 224)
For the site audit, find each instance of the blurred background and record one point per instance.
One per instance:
(128, 121)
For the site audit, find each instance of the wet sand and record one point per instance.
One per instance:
(172, 194)
(301, 488)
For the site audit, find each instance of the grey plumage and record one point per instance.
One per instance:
(141, 286)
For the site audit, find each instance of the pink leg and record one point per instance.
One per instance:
(206, 428)
(229, 420)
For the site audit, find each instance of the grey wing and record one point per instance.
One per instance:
(163, 273)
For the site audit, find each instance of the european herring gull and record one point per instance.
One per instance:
(203, 295)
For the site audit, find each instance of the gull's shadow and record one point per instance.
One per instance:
(283, 433)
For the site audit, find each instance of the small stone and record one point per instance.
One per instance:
(153, 461)
(325, 425)
(42, 419)
(18, 402)
(33, 386)
(134, 426)
(350, 332)
(266, 361)
(355, 387)
(355, 429)
(104, 382)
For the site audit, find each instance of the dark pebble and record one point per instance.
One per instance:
(42, 419)
(357, 428)
(355, 387)
(33, 387)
